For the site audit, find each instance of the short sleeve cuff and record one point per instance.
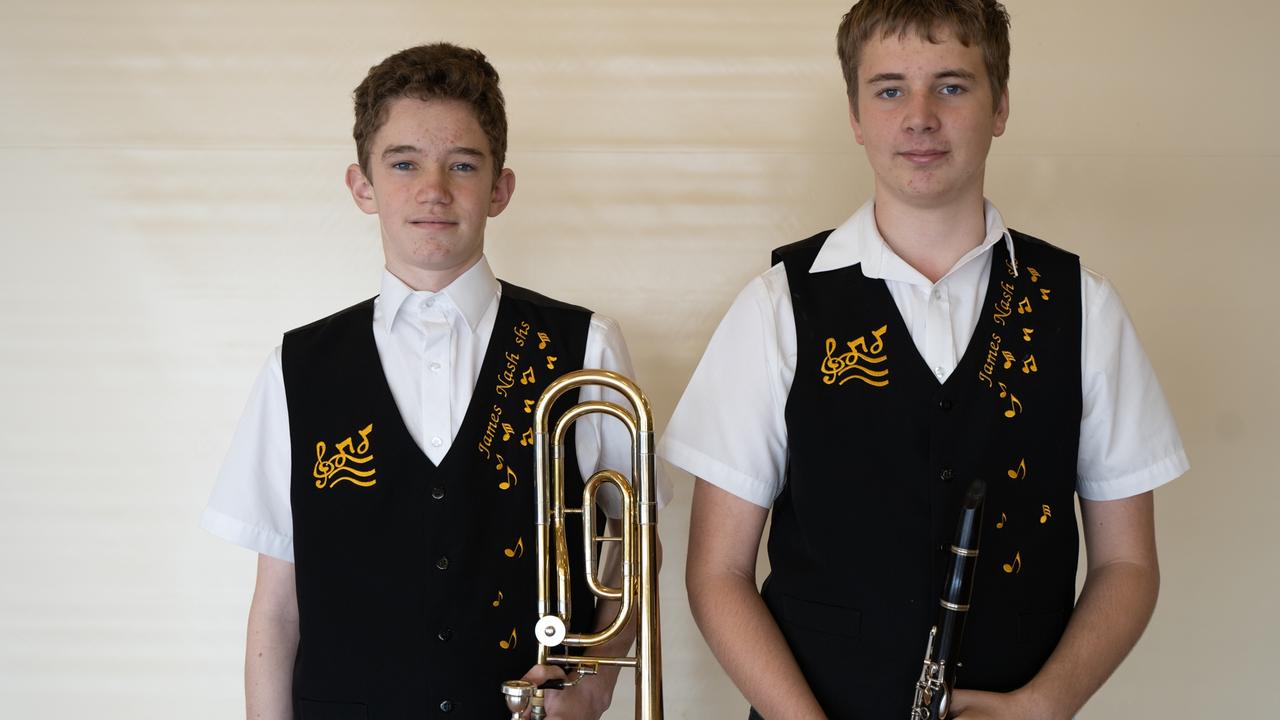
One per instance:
(717, 473)
(1135, 483)
(258, 539)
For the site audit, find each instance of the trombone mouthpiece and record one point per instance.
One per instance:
(517, 693)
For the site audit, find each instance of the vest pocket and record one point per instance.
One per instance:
(827, 619)
(317, 710)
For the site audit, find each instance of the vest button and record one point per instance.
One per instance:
(444, 635)
(945, 475)
(442, 563)
(446, 706)
(437, 493)
(944, 405)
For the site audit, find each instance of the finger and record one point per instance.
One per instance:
(539, 674)
(565, 706)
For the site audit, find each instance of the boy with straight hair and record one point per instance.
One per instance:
(383, 469)
(857, 386)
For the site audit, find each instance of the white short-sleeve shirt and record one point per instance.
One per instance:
(729, 427)
(431, 346)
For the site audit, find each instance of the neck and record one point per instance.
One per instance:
(931, 239)
(429, 279)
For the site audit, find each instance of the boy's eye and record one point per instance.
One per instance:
(403, 165)
(890, 93)
(463, 167)
(952, 90)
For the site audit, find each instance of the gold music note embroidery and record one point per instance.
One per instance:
(1024, 306)
(1026, 334)
(1035, 274)
(1020, 471)
(526, 377)
(1044, 293)
(510, 642)
(498, 602)
(1008, 359)
(507, 432)
(328, 472)
(515, 552)
(528, 405)
(512, 479)
(527, 438)
(1003, 518)
(856, 364)
(1029, 365)
(551, 362)
(1047, 514)
(500, 465)
(543, 339)
(1015, 405)
(1016, 565)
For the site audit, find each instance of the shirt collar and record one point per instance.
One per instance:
(472, 292)
(858, 240)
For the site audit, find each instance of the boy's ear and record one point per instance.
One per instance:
(503, 188)
(361, 189)
(1002, 113)
(853, 122)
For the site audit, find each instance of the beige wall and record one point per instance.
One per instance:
(172, 201)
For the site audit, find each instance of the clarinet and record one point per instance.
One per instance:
(938, 676)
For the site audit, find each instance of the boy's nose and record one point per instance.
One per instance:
(921, 116)
(433, 187)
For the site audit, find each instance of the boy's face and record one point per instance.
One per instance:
(433, 185)
(926, 117)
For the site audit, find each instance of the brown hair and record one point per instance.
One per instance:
(440, 71)
(981, 22)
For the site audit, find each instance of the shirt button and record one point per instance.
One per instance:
(435, 367)
(444, 635)
(938, 371)
(436, 442)
(428, 302)
(437, 493)
(945, 475)
(446, 706)
(937, 294)
(442, 563)
(944, 405)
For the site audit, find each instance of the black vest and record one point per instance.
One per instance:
(417, 583)
(880, 454)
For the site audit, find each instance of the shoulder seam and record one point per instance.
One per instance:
(527, 295)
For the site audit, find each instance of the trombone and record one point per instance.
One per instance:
(638, 592)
